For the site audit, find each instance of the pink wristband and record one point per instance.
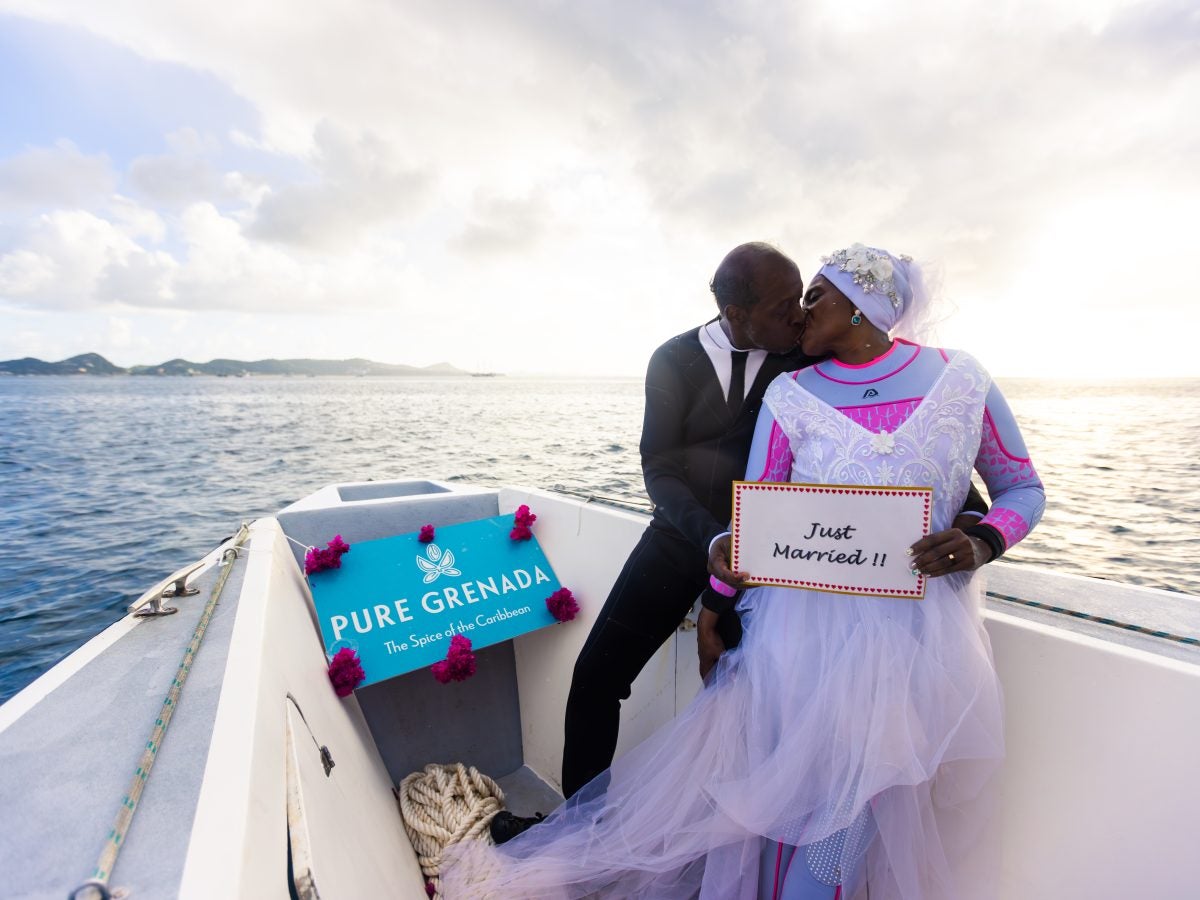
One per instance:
(721, 587)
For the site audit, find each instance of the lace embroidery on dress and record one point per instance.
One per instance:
(931, 448)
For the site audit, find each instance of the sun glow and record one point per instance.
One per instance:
(1095, 293)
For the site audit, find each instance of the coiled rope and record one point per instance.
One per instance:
(442, 805)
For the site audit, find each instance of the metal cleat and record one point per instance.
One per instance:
(151, 602)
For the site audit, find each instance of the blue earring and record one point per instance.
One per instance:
(856, 319)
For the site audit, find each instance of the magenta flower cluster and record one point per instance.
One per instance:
(346, 672)
(330, 558)
(562, 605)
(459, 664)
(523, 519)
(426, 535)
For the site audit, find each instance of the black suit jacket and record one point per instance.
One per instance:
(692, 447)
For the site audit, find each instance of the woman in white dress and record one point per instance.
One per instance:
(842, 749)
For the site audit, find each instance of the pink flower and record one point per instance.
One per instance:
(522, 520)
(319, 560)
(426, 534)
(562, 605)
(459, 664)
(329, 558)
(346, 672)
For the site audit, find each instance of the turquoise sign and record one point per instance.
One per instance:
(397, 601)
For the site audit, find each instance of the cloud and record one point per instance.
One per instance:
(174, 182)
(361, 184)
(52, 177)
(136, 221)
(188, 174)
(1156, 36)
(75, 260)
(610, 154)
(499, 224)
(226, 268)
(67, 258)
(24, 273)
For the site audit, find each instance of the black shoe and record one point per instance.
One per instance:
(505, 826)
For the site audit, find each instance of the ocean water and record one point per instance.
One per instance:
(109, 484)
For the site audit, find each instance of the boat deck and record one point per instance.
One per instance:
(238, 781)
(71, 741)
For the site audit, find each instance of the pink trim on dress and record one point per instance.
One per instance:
(873, 405)
(1009, 523)
(900, 368)
(778, 861)
(995, 434)
(881, 416)
(1001, 465)
(779, 457)
(890, 351)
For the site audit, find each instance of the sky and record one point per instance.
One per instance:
(545, 186)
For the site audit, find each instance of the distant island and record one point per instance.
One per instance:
(95, 364)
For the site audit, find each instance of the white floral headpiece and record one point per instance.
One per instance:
(872, 270)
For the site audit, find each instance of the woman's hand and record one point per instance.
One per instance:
(709, 645)
(718, 563)
(948, 551)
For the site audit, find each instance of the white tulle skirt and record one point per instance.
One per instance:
(833, 711)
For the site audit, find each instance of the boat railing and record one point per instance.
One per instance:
(632, 504)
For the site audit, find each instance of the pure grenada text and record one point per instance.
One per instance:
(437, 601)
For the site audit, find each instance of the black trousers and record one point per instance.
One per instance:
(658, 585)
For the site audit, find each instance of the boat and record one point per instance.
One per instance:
(267, 784)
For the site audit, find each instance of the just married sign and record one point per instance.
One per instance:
(838, 538)
(397, 601)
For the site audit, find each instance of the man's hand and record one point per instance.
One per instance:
(948, 551)
(718, 563)
(709, 645)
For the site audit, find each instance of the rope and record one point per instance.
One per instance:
(300, 544)
(97, 885)
(635, 504)
(1115, 623)
(442, 805)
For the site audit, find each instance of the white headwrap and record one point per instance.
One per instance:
(889, 290)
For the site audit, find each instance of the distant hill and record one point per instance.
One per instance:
(95, 364)
(84, 364)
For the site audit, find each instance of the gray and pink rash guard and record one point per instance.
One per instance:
(880, 395)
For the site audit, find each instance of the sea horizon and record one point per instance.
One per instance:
(418, 371)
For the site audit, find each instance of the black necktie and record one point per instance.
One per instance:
(737, 381)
